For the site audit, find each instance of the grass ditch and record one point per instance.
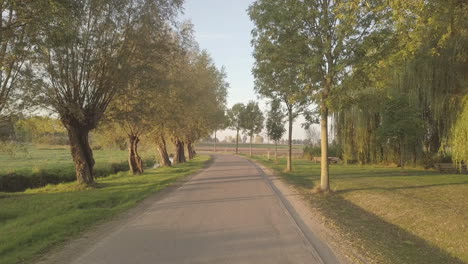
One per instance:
(42, 165)
(389, 215)
(34, 221)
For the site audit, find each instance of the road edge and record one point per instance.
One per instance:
(71, 249)
(315, 232)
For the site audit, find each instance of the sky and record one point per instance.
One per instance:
(223, 28)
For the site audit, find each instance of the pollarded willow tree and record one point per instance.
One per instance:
(320, 38)
(251, 121)
(148, 41)
(195, 94)
(82, 57)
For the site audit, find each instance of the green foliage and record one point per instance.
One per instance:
(422, 56)
(459, 138)
(251, 119)
(234, 115)
(275, 121)
(401, 126)
(311, 152)
(41, 130)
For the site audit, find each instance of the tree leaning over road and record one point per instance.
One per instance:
(251, 121)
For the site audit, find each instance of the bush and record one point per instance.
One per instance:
(315, 151)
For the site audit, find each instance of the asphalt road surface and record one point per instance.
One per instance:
(229, 213)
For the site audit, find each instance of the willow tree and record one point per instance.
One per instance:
(81, 59)
(459, 136)
(320, 38)
(148, 40)
(424, 60)
(19, 31)
(208, 85)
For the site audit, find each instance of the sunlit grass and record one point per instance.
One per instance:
(56, 157)
(395, 216)
(33, 221)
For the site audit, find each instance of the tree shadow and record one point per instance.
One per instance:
(401, 188)
(389, 241)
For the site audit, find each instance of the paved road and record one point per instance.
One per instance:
(229, 213)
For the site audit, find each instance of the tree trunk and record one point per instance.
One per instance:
(402, 156)
(251, 146)
(134, 160)
(237, 140)
(190, 150)
(214, 146)
(162, 149)
(289, 162)
(324, 180)
(180, 152)
(276, 151)
(82, 154)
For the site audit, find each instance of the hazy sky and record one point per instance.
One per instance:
(223, 27)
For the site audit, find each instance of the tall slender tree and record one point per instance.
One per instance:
(320, 38)
(274, 124)
(251, 121)
(235, 122)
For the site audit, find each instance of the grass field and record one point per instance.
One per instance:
(32, 222)
(394, 216)
(50, 157)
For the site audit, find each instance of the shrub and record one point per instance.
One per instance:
(315, 151)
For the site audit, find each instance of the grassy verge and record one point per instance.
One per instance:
(38, 166)
(33, 221)
(389, 215)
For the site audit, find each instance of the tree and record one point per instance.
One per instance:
(251, 121)
(274, 124)
(148, 40)
(459, 138)
(319, 39)
(234, 115)
(421, 56)
(221, 122)
(18, 29)
(82, 56)
(401, 126)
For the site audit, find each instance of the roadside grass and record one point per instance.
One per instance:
(38, 166)
(33, 221)
(388, 214)
(56, 157)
